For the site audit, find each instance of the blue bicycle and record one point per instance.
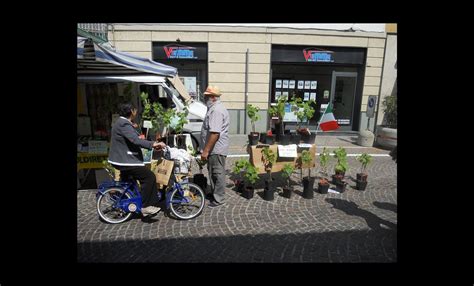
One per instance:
(118, 200)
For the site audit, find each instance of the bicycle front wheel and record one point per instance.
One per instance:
(189, 203)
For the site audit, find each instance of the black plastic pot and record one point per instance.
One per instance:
(308, 188)
(361, 185)
(287, 192)
(170, 140)
(362, 177)
(295, 138)
(263, 135)
(323, 189)
(253, 138)
(268, 192)
(341, 186)
(239, 187)
(270, 139)
(201, 181)
(336, 179)
(248, 192)
(308, 138)
(181, 142)
(285, 139)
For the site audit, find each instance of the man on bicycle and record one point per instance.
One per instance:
(126, 155)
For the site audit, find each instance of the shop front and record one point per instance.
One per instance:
(191, 61)
(325, 74)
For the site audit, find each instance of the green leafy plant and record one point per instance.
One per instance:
(268, 159)
(251, 175)
(389, 105)
(252, 113)
(341, 155)
(240, 166)
(365, 160)
(323, 161)
(286, 172)
(182, 120)
(306, 161)
(279, 110)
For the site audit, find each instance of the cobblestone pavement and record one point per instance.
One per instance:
(356, 226)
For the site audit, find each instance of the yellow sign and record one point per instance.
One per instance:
(90, 161)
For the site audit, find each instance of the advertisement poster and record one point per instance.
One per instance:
(292, 84)
(190, 85)
(306, 96)
(285, 83)
(307, 84)
(314, 84)
(278, 83)
(285, 93)
(312, 96)
(147, 155)
(326, 94)
(300, 84)
(277, 94)
(98, 147)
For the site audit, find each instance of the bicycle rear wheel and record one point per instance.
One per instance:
(189, 203)
(107, 206)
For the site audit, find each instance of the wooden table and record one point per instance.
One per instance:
(255, 153)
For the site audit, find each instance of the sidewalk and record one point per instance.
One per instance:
(349, 142)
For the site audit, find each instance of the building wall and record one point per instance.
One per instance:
(226, 57)
(389, 73)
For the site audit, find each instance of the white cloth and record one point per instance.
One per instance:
(180, 156)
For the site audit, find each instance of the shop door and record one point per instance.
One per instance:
(343, 91)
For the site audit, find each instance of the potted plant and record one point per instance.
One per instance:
(168, 116)
(323, 184)
(240, 167)
(269, 138)
(286, 173)
(268, 159)
(295, 103)
(306, 114)
(199, 179)
(361, 181)
(278, 111)
(308, 182)
(341, 165)
(251, 177)
(387, 132)
(252, 113)
(178, 128)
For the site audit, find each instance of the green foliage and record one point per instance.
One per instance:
(287, 171)
(240, 166)
(251, 175)
(389, 105)
(307, 111)
(252, 113)
(201, 163)
(306, 160)
(365, 160)
(279, 109)
(109, 168)
(268, 158)
(341, 155)
(324, 159)
(182, 120)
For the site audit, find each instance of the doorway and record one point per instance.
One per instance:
(343, 92)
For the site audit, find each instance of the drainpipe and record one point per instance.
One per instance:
(246, 89)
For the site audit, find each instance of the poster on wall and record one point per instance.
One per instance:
(314, 84)
(300, 84)
(285, 93)
(277, 94)
(147, 155)
(306, 96)
(98, 147)
(189, 83)
(285, 83)
(292, 84)
(312, 96)
(278, 83)
(307, 84)
(326, 94)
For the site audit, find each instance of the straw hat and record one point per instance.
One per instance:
(213, 90)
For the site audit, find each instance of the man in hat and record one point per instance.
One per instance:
(215, 139)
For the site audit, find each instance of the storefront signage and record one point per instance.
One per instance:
(317, 55)
(90, 161)
(179, 51)
(344, 121)
(371, 106)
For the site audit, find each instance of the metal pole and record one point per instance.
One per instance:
(246, 89)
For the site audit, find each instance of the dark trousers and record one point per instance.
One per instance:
(149, 188)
